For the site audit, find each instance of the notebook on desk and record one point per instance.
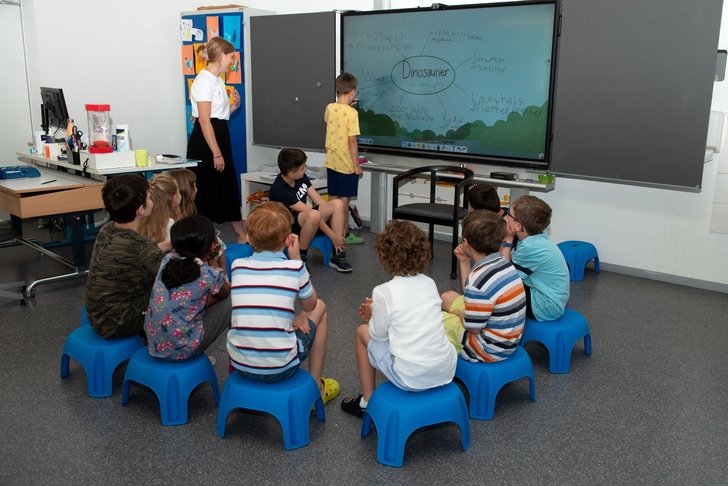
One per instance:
(172, 159)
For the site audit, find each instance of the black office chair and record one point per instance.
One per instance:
(434, 212)
(7, 238)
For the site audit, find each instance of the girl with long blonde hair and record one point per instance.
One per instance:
(165, 195)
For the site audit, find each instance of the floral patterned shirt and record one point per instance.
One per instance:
(173, 322)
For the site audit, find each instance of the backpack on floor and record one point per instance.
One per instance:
(355, 221)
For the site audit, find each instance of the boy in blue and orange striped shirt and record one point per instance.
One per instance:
(485, 324)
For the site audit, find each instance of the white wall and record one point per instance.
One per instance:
(15, 124)
(127, 54)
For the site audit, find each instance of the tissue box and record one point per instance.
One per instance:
(113, 160)
(52, 150)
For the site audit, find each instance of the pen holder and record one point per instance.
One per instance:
(75, 157)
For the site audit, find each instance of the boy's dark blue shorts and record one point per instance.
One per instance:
(341, 185)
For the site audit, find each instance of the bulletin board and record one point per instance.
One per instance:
(196, 29)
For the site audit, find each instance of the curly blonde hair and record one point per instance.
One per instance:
(403, 249)
(163, 188)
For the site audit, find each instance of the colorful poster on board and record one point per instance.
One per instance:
(235, 71)
(231, 30)
(188, 60)
(200, 61)
(189, 86)
(213, 27)
(186, 29)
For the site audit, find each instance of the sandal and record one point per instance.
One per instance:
(331, 389)
(351, 405)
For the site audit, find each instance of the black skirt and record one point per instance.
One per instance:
(218, 194)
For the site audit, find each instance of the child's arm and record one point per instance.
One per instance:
(512, 229)
(380, 319)
(365, 310)
(464, 264)
(211, 257)
(316, 198)
(165, 246)
(300, 323)
(294, 250)
(221, 294)
(224, 291)
(309, 304)
(354, 150)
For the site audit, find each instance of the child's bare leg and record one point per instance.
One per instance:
(344, 208)
(367, 373)
(309, 223)
(240, 234)
(333, 212)
(316, 355)
(447, 299)
(345, 213)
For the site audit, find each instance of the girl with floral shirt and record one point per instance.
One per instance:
(181, 321)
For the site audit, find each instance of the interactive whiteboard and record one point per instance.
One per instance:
(471, 83)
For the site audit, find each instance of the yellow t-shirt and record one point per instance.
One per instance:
(342, 121)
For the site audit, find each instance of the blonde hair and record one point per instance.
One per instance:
(215, 48)
(268, 225)
(162, 189)
(186, 180)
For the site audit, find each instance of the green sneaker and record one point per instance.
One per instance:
(352, 239)
(338, 261)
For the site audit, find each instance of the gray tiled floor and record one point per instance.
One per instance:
(648, 407)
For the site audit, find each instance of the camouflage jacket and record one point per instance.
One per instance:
(124, 265)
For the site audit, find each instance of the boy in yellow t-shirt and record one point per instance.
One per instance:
(342, 152)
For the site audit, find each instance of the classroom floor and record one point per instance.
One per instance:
(648, 407)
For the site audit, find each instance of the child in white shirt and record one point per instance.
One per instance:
(402, 335)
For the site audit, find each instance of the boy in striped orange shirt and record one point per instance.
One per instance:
(486, 322)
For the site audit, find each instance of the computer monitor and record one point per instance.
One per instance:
(53, 110)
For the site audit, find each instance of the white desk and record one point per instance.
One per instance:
(380, 191)
(54, 193)
(43, 161)
(251, 182)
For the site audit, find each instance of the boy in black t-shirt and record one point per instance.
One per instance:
(291, 188)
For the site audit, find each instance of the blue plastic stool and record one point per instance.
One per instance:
(484, 380)
(171, 381)
(324, 245)
(289, 401)
(234, 251)
(397, 413)
(559, 337)
(98, 356)
(577, 254)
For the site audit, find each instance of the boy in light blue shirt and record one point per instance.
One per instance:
(539, 261)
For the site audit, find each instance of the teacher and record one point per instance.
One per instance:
(218, 195)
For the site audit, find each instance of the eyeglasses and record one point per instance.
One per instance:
(508, 213)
